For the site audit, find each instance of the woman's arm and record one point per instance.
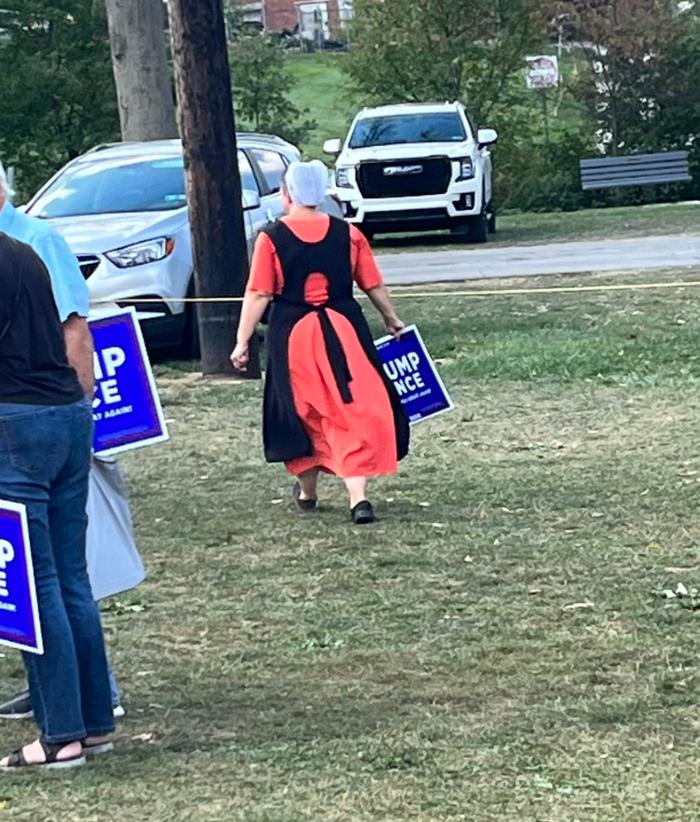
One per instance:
(254, 305)
(262, 285)
(380, 299)
(368, 277)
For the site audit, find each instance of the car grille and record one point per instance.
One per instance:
(404, 178)
(406, 215)
(88, 264)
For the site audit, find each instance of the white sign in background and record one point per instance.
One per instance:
(543, 71)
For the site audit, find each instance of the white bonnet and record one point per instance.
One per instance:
(307, 183)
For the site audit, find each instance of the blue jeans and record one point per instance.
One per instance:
(44, 463)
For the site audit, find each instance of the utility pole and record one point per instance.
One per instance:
(207, 125)
(141, 73)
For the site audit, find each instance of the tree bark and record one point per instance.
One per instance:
(141, 73)
(207, 124)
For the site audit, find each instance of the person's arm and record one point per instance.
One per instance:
(368, 277)
(254, 307)
(79, 349)
(262, 286)
(380, 299)
(72, 299)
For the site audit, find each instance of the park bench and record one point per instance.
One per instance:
(635, 170)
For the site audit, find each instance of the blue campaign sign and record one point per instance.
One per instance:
(408, 365)
(19, 613)
(127, 409)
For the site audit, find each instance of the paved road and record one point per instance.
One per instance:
(481, 262)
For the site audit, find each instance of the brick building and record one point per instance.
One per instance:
(326, 16)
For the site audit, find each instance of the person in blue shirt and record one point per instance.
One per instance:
(68, 284)
(72, 300)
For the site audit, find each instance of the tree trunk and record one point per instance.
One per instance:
(141, 74)
(203, 83)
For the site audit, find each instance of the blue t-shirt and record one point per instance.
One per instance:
(70, 290)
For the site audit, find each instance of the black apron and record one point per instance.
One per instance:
(284, 435)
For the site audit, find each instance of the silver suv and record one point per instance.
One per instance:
(122, 209)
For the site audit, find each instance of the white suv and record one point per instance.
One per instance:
(416, 167)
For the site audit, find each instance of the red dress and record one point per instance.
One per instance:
(349, 440)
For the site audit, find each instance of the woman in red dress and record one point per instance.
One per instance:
(328, 406)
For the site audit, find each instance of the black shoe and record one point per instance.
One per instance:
(18, 707)
(306, 506)
(363, 513)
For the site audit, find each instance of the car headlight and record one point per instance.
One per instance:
(342, 177)
(466, 169)
(149, 251)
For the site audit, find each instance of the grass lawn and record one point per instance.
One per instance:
(497, 648)
(591, 224)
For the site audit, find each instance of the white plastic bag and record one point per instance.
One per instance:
(113, 560)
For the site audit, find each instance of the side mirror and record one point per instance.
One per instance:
(487, 137)
(333, 147)
(251, 199)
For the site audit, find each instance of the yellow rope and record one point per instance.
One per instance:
(469, 293)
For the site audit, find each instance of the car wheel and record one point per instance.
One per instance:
(479, 228)
(492, 218)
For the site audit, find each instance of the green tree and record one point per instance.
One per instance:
(640, 83)
(624, 46)
(261, 86)
(470, 50)
(58, 96)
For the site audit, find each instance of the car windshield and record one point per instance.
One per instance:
(436, 127)
(122, 186)
(114, 187)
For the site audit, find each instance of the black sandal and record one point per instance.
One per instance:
(363, 513)
(51, 751)
(306, 506)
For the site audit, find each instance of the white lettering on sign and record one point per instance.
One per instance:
(118, 412)
(106, 363)
(404, 373)
(7, 554)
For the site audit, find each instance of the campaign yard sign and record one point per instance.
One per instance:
(19, 612)
(126, 409)
(408, 365)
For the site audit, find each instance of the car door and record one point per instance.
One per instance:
(271, 166)
(255, 218)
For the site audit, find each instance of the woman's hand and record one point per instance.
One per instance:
(240, 356)
(394, 326)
